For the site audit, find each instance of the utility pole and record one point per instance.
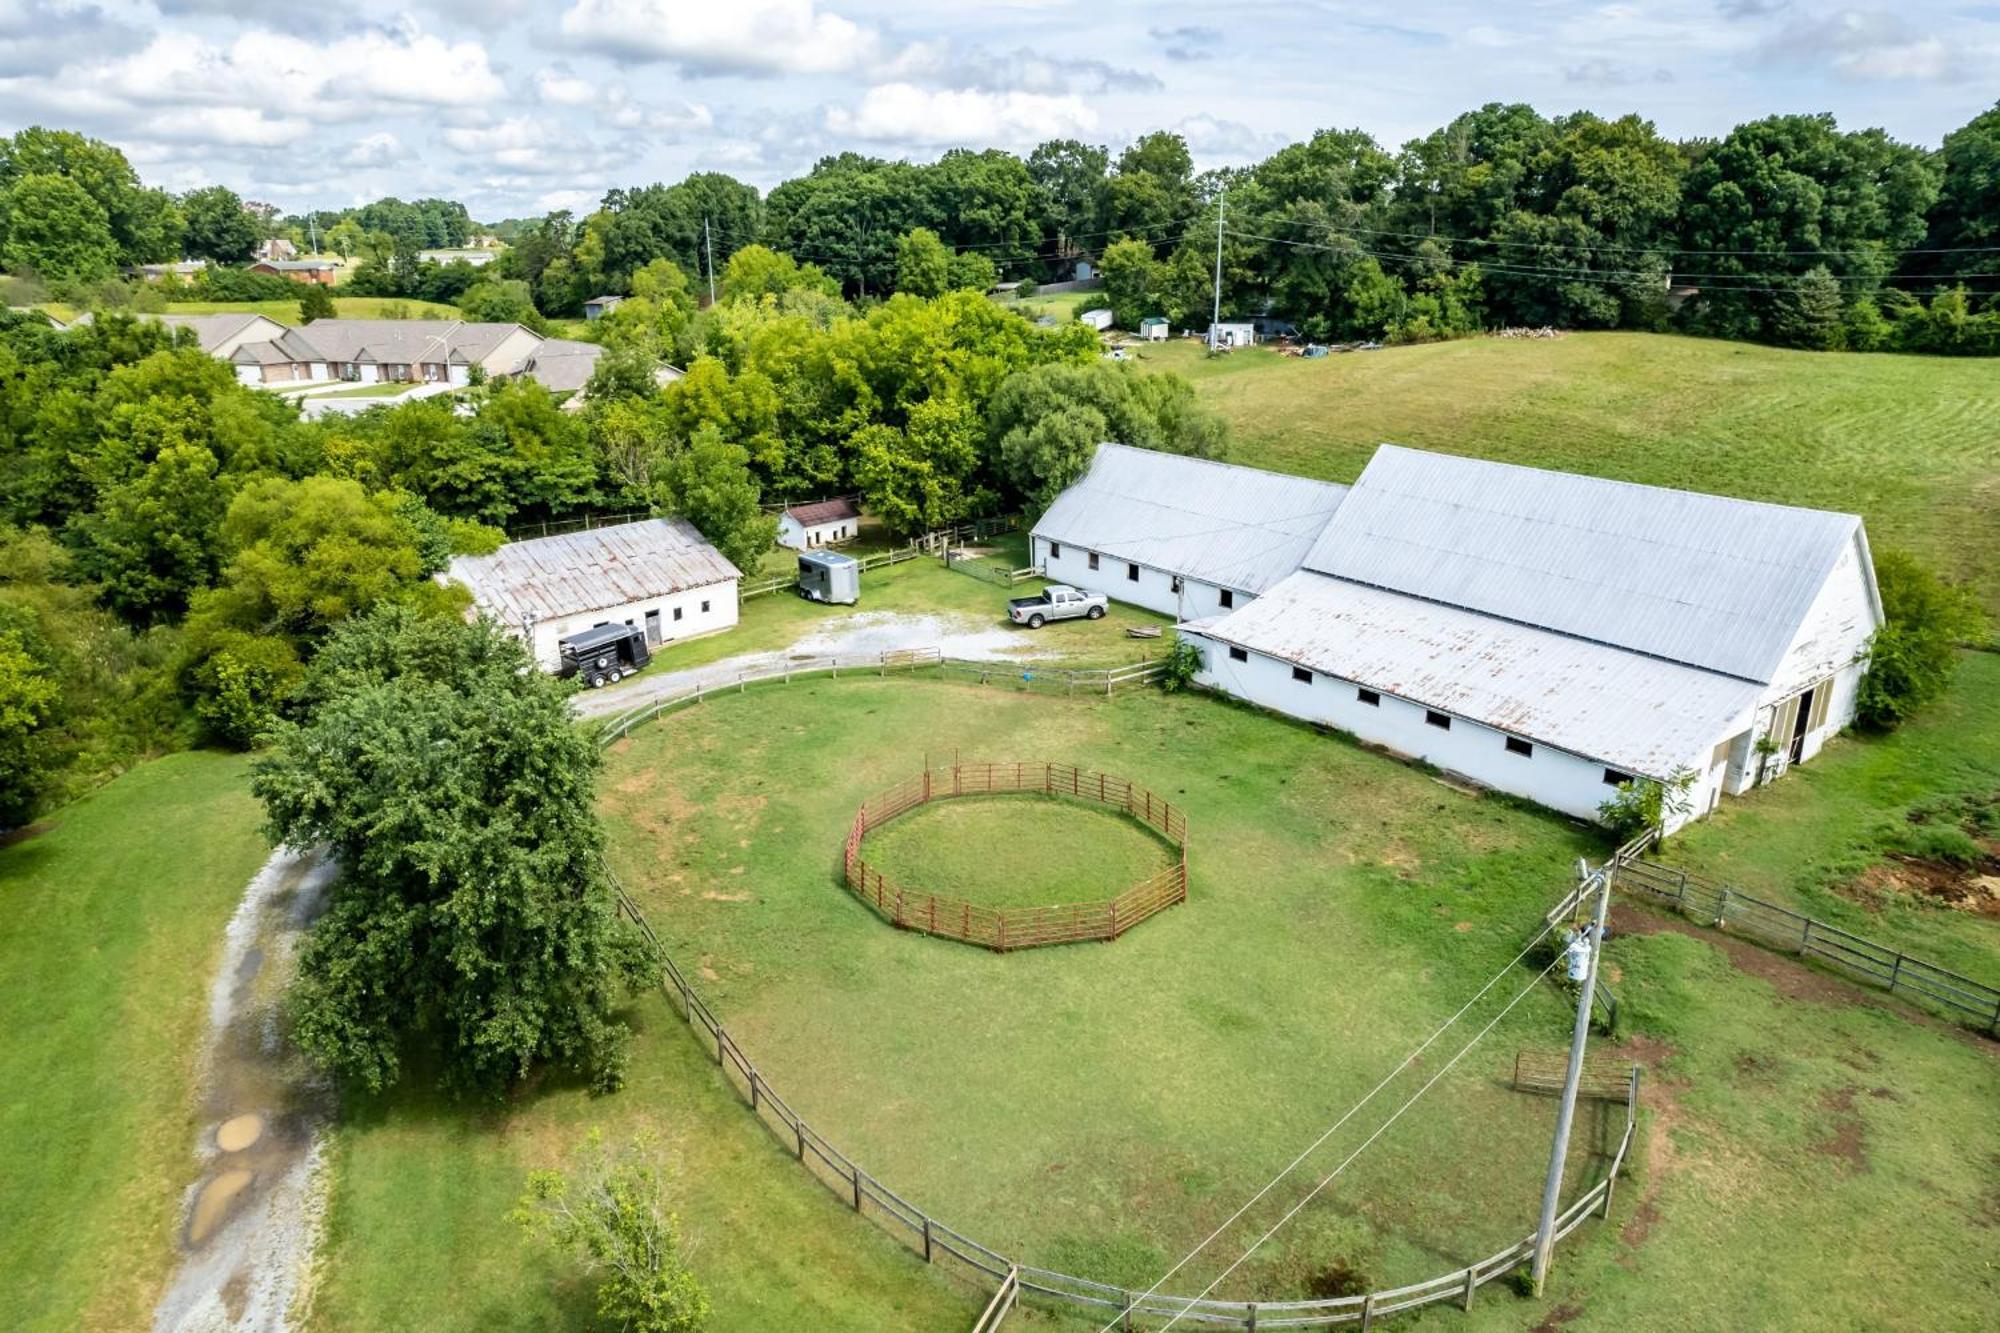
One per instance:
(1215, 318)
(708, 247)
(1545, 1233)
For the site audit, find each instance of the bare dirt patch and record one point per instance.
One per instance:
(712, 896)
(1974, 888)
(1660, 1097)
(1845, 1140)
(1558, 1317)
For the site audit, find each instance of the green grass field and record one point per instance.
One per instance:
(1910, 443)
(1016, 851)
(346, 307)
(111, 920)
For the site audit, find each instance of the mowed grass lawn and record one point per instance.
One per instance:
(1912, 444)
(111, 921)
(345, 307)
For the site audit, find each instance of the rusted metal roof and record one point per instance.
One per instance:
(576, 572)
(1699, 579)
(824, 511)
(1632, 712)
(1235, 527)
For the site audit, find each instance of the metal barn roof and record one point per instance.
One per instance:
(1701, 579)
(587, 571)
(1635, 713)
(1235, 527)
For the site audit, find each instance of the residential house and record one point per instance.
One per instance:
(184, 269)
(658, 574)
(826, 523)
(276, 248)
(322, 271)
(370, 351)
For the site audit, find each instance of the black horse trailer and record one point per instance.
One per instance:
(604, 654)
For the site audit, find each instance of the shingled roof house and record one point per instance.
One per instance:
(825, 523)
(1538, 632)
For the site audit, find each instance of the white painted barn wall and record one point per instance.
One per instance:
(721, 615)
(1153, 590)
(803, 537)
(1562, 781)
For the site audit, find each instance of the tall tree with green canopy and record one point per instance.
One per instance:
(473, 929)
(50, 226)
(1963, 239)
(923, 263)
(218, 226)
(1069, 178)
(1046, 422)
(145, 224)
(708, 482)
(1151, 195)
(29, 701)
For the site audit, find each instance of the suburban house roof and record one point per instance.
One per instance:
(407, 341)
(211, 331)
(1699, 579)
(823, 511)
(1235, 527)
(1640, 715)
(297, 265)
(563, 365)
(588, 571)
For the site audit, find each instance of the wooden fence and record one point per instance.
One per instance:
(927, 663)
(1973, 1003)
(879, 560)
(1017, 927)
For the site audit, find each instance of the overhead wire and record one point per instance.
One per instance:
(1354, 1110)
(1189, 1304)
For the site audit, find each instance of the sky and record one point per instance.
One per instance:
(517, 108)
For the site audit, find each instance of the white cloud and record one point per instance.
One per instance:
(905, 113)
(557, 86)
(1872, 45)
(374, 150)
(730, 37)
(263, 87)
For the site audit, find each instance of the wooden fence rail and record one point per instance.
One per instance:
(1974, 1003)
(1011, 928)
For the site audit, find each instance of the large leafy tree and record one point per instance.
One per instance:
(1045, 422)
(53, 228)
(1913, 656)
(473, 924)
(145, 224)
(29, 700)
(923, 263)
(708, 482)
(1964, 232)
(219, 227)
(1781, 196)
(1069, 178)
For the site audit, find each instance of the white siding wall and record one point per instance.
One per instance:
(508, 354)
(802, 537)
(1550, 777)
(1154, 588)
(721, 615)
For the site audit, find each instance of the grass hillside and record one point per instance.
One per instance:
(1910, 443)
(346, 307)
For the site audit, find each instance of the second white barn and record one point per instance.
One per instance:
(658, 574)
(823, 523)
(1182, 536)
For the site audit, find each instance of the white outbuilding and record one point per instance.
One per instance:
(1096, 319)
(823, 523)
(659, 575)
(1186, 537)
(1555, 636)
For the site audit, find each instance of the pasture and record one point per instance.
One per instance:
(1912, 444)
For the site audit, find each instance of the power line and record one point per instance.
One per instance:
(1352, 1111)
(1668, 250)
(1382, 1129)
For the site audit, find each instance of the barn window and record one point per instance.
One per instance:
(1225, 598)
(1441, 721)
(1301, 674)
(1239, 654)
(1515, 745)
(1055, 550)
(704, 608)
(1177, 583)
(677, 612)
(1613, 778)
(1369, 697)
(1093, 560)
(1131, 573)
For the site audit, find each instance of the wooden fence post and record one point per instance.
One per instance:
(857, 1186)
(1805, 936)
(1895, 974)
(927, 1237)
(799, 1129)
(753, 1087)
(1367, 1312)
(1722, 910)
(1470, 1286)
(718, 1043)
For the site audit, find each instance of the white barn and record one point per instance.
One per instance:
(825, 523)
(1554, 635)
(1185, 537)
(659, 575)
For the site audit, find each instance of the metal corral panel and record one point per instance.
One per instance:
(1234, 527)
(1632, 712)
(1700, 579)
(551, 577)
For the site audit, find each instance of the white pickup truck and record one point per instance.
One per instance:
(1058, 601)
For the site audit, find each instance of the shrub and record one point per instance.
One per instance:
(1912, 656)
(1641, 803)
(1182, 665)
